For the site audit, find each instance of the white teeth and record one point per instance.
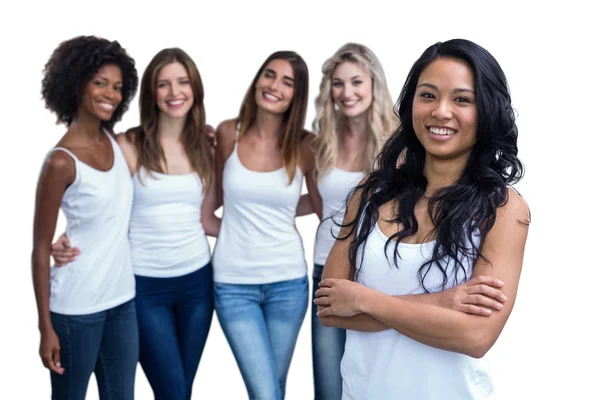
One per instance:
(175, 102)
(106, 106)
(270, 97)
(349, 103)
(442, 131)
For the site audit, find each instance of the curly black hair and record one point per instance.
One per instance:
(73, 64)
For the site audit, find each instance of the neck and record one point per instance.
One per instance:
(89, 127)
(441, 173)
(356, 126)
(170, 128)
(268, 126)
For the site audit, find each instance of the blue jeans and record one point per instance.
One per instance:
(174, 315)
(105, 343)
(261, 323)
(327, 350)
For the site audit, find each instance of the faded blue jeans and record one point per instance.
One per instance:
(327, 351)
(105, 343)
(261, 323)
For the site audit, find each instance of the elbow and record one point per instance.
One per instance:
(478, 344)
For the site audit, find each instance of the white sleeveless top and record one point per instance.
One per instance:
(97, 207)
(333, 188)
(389, 365)
(258, 242)
(165, 233)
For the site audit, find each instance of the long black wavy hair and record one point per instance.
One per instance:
(73, 64)
(464, 212)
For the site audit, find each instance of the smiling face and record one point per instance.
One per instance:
(102, 94)
(352, 89)
(174, 93)
(444, 112)
(275, 87)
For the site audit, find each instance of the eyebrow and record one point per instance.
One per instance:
(178, 78)
(352, 78)
(457, 90)
(289, 78)
(105, 79)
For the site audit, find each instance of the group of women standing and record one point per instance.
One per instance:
(411, 272)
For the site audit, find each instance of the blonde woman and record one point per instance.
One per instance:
(354, 116)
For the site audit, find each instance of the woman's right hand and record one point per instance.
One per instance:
(62, 252)
(50, 352)
(480, 295)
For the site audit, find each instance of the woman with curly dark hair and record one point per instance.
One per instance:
(170, 158)
(87, 316)
(442, 216)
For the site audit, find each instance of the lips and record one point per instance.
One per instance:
(106, 106)
(270, 97)
(441, 130)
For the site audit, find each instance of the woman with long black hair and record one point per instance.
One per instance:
(443, 215)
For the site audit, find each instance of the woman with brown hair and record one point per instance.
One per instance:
(170, 159)
(261, 286)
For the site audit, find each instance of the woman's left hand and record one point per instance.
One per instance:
(339, 297)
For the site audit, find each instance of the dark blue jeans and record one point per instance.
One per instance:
(174, 315)
(105, 343)
(327, 350)
(261, 323)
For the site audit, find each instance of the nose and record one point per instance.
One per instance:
(442, 111)
(347, 92)
(174, 89)
(112, 94)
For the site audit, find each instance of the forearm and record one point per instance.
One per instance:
(41, 286)
(359, 322)
(212, 225)
(366, 323)
(431, 325)
(305, 206)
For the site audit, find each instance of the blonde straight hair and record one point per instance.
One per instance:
(382, 121)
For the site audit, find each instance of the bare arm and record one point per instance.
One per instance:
(210, 222)
(214, 197)
(478, 296)
(440, 327)
(57, 174)
(311, 202)
(129, 151)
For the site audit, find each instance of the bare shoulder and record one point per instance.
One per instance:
(226, 132)
(126, 141)
(59, 165)
(516, 209)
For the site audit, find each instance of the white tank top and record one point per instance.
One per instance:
(97, 207)
(389, 365)
(258, 242)
(165, 233)
(333, 188)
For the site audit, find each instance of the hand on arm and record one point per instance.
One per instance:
(439, 327)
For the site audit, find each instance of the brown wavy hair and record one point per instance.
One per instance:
(195, 141)
(293, 118)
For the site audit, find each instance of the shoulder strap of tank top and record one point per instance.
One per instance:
(69, 152)
(237, 136)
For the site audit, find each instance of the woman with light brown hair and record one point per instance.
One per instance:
(261, 284)
(169, 156)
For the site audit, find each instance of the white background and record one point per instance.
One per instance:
(549, 347)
